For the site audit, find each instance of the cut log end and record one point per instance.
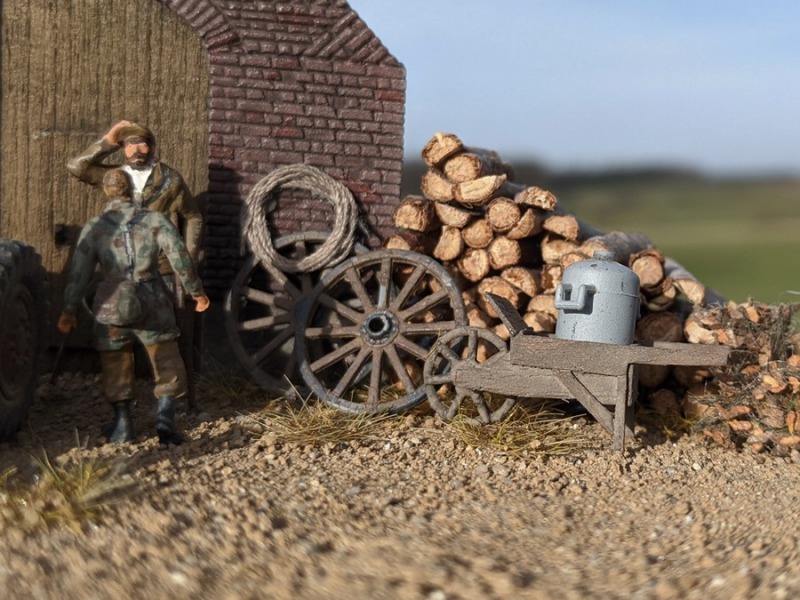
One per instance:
(478, 234)
(450, 244)
(415, 213)
(503, 214)
(474, 264)
(504, 252)
(440, 147)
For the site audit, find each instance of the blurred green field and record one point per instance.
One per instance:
(740, 237)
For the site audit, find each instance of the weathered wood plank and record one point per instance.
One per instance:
(529, 382)
(609, 359)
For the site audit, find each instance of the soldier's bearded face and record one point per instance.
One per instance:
(137, 153)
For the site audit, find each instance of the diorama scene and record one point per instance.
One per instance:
(345, 299)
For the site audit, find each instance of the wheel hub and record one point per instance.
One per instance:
(380, 328)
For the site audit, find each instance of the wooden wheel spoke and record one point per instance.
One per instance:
(448, 353)
(458, 400)
(348, 313)
(329, 359)
(282, 281)
(384, 282)
(284, 302)
(265, 322)
(423, 304)
(411, 347)
(275, 343)
(435, 328)
(258, 296)
(352, 370)
(306, 283)
(408, 287)
(472, 345)
(332, 331)
(358, 287)
(375, 378)
(480, 404)
(399, 368)
(300, 250)
(443, 379)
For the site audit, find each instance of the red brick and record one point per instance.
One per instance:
(354, 137)
(255, 130)
(256, 60)
(223, 103)
(288, 109)
(220, 152)
(390, 95)
(355, 114)
(349, 68)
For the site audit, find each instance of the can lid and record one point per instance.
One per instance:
(604, 255)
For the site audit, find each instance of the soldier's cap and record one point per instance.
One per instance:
(134, 130)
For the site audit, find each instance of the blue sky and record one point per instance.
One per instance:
(710, 84)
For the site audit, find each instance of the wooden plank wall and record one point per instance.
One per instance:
(69, 70)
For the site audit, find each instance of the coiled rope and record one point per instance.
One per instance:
(258, 204)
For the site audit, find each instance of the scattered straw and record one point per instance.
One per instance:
(528, 429)
(318, 424)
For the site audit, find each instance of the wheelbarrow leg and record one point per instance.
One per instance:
(623, 412)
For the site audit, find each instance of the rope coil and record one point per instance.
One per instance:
(255, 227)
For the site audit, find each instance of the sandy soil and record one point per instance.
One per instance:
(231, 514)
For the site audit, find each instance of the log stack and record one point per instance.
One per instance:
(515, 240)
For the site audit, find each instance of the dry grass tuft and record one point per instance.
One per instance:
(530, 429)
(317, 424)
(68, 495)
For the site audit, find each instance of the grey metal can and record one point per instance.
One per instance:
(598, 301)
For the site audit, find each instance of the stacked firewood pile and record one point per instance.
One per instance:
(514, 240)
(752, 402)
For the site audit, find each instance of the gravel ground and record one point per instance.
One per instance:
(232, 514)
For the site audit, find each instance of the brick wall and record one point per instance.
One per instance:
(302, 81)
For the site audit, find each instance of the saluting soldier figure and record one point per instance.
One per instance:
(126, 242)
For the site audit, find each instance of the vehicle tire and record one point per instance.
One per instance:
(22, 315)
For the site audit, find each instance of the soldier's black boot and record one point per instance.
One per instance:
(121, 430)
(165, 422)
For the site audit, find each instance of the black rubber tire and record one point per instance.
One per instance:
(22, 315)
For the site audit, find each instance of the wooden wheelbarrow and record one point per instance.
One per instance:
(602, 377)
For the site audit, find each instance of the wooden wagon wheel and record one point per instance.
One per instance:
(258, 312)
(464, 348)
(368, 327)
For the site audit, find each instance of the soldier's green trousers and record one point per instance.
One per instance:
(169, 371)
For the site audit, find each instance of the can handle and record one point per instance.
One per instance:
(563, 290)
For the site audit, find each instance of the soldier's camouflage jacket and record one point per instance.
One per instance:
(101, 242)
